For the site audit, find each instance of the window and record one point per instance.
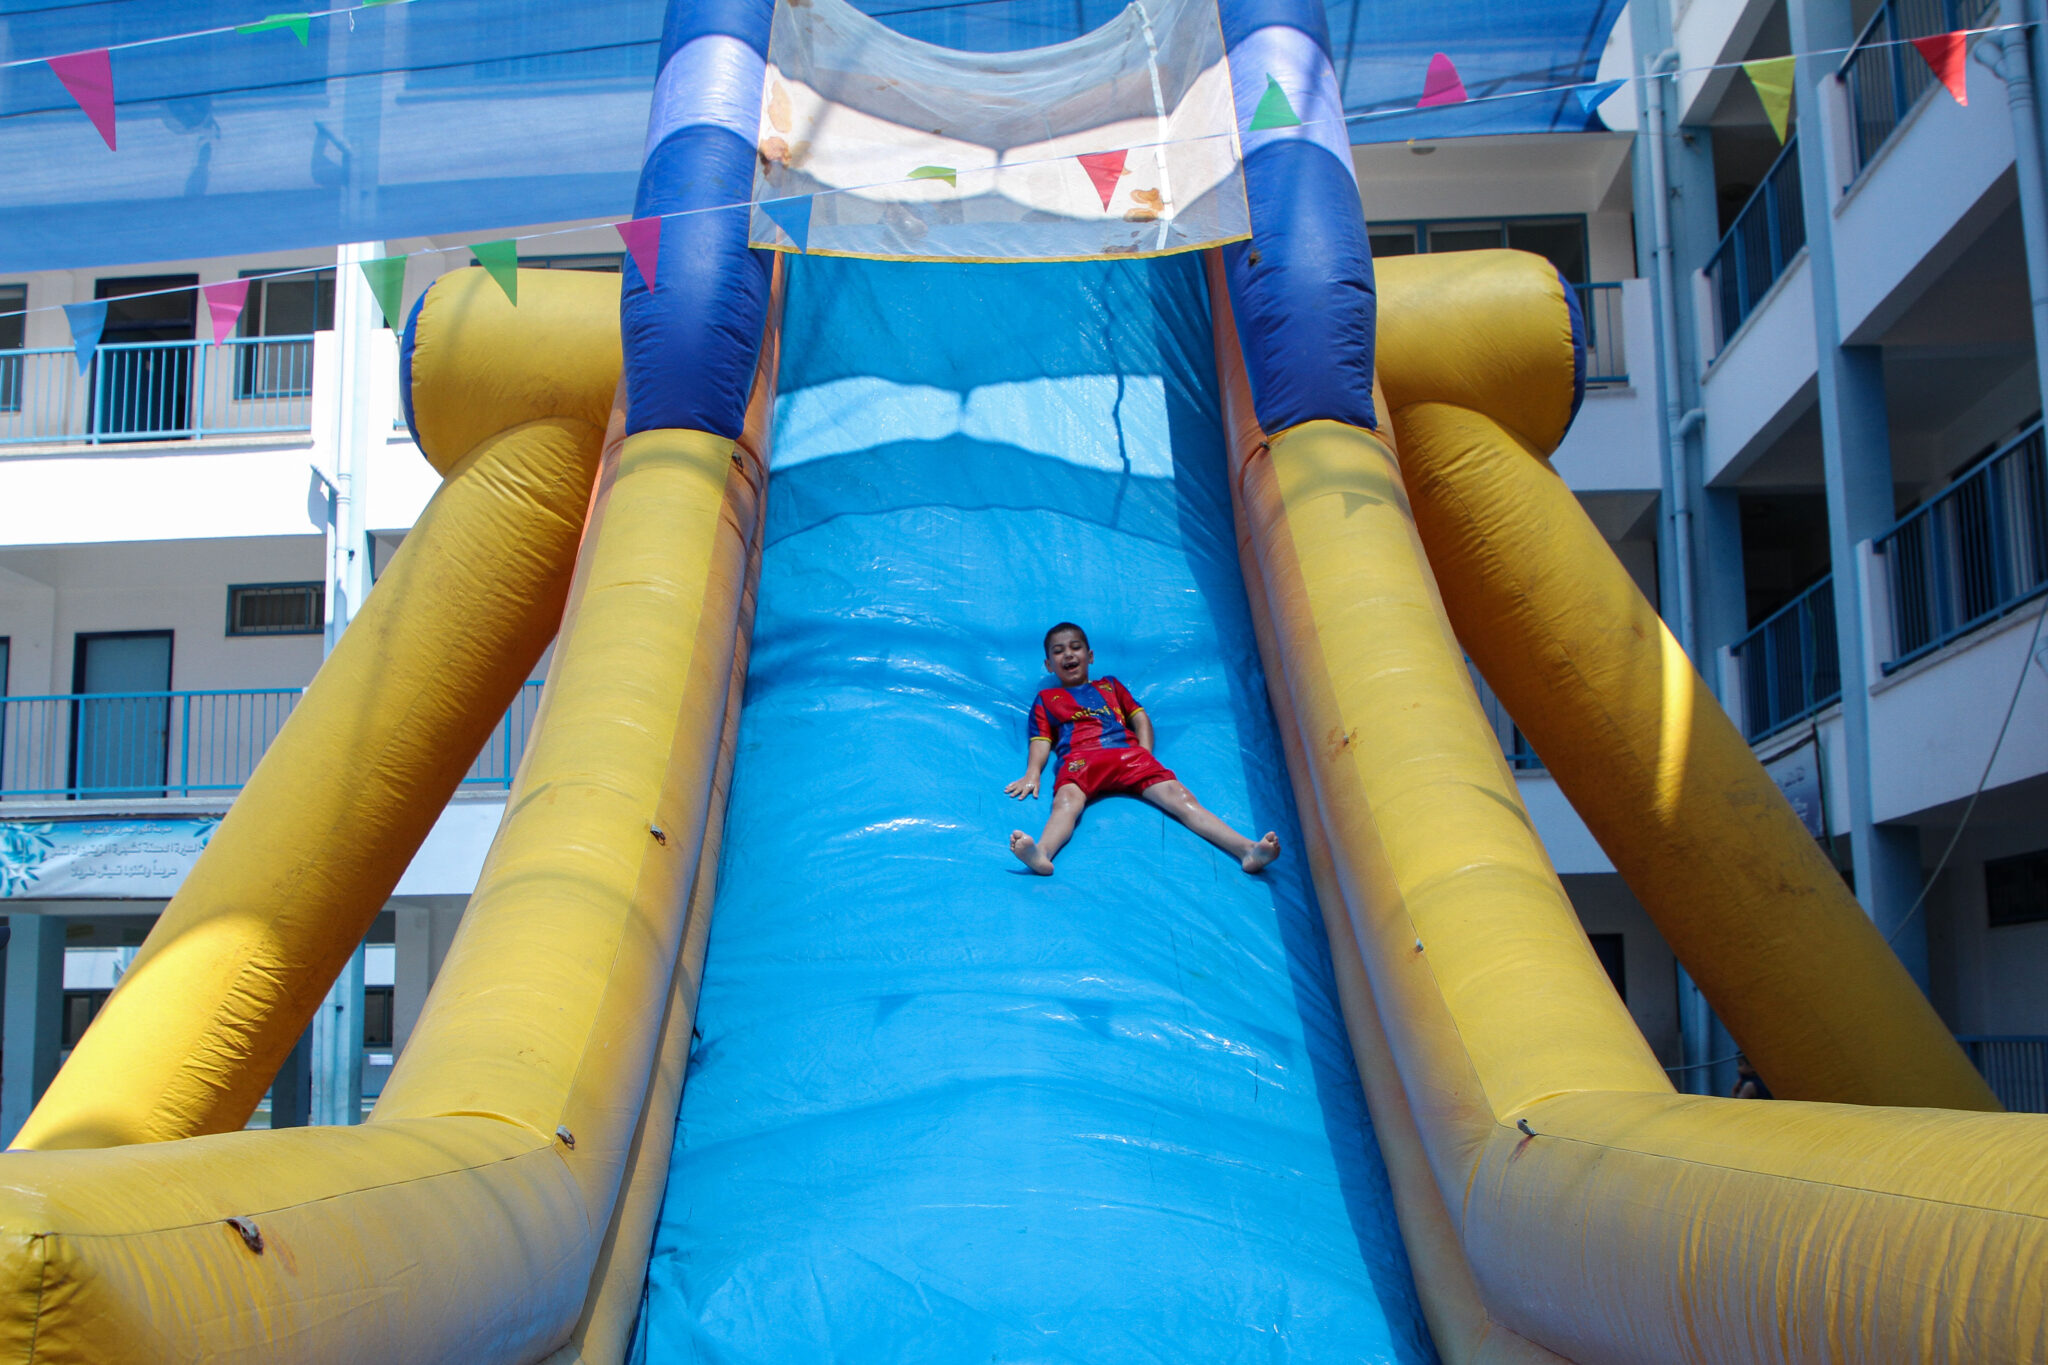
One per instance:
(2016, 889)
(283, 306)
(13, 333)
(377, 1016)
(1608, 948)
(604, 263)
(80, 1009)
(277, 608)
(1561, 241)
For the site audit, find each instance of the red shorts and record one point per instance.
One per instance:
(1111, 772)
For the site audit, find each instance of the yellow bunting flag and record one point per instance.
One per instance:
(1772, 77)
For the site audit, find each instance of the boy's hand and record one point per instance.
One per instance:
(1024, 786)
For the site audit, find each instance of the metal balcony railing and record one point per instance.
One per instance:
(1789, 665)
(157, 391)
(1606, 345)
(1759, 245)
(1972, 553)
(2015, 1066)
(1885, 77)
(150, 745)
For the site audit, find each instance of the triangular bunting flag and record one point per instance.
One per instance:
(87, 321)
(1772, 77)
(1591, 97)
(1441, 85)
(1944, 53)
(224, 301)
(1274, 111)
(300, 24)
(1104, 170)
(945, 173)
(386, 275)
(89, 77)
(502, 260)
(642, 237)
(793, 216)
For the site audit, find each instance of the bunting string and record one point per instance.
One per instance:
(641, 237)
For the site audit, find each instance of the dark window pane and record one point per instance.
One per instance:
(1464, 236)
(13, 300)
(2016, 889)
(1608, 948)
(149, 307)
(293, 306)
(1561, 241)
(1392, 242)
(80, 1008)
(376, 1016)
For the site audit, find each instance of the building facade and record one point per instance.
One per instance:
(1811, 433)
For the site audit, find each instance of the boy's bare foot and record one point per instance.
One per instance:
(1256, 857)
(1026, 849)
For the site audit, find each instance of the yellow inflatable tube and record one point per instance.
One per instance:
(1478, 356)
(464, 1221)
(1602, 1216)
(240, 960)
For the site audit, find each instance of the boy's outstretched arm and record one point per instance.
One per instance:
(1141, 730)
(1027, 785)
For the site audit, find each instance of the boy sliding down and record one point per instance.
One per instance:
(1104, 740)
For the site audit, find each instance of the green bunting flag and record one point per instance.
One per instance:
(1274, 111)
(300, 25)
(1772, 77)
(386, 276)
(502, 260)
(945, 173)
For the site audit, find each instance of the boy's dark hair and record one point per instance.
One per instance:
(1064, 626)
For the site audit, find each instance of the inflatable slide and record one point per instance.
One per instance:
(756, 1045)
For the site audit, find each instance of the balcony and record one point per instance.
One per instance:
(1606, 341)
(1884, 77)
(1759, 246)
(1970, 555)
(157, 391)
(1789, 667)
(140, 746)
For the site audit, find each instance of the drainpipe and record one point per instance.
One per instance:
(2008, 54)
(1678, 423)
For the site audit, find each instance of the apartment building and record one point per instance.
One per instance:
(1811, 432)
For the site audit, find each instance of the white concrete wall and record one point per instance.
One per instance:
(1921, 201)
(1985, 980)
(1606, 906)
(49, 596)
(1615, 445)
(1763, 378)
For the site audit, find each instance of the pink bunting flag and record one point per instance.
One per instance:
(1944, 54)
(89, 77)
(1104, 170)
(224, 301)
(642, 237)
(1441, 85)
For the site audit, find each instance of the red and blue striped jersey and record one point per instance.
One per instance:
(1095, 715)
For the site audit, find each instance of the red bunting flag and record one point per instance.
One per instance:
(224, 301)
(1441, 85)
(642, 237)
(1104, 170)
(89, 77)
(1944, 53)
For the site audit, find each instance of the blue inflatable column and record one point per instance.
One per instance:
(693, 334)
(1302, 286)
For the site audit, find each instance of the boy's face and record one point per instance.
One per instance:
(1069, 658)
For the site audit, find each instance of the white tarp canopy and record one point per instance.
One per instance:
(1120, 143)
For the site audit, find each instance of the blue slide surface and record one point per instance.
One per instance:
(940, 1109)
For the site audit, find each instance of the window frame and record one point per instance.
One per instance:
(1420, 227)
(318, 626)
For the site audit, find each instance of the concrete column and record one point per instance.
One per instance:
(291, 1094)
(1856, 455)
(337, 1047)
(32, 1017)
(412, 941)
